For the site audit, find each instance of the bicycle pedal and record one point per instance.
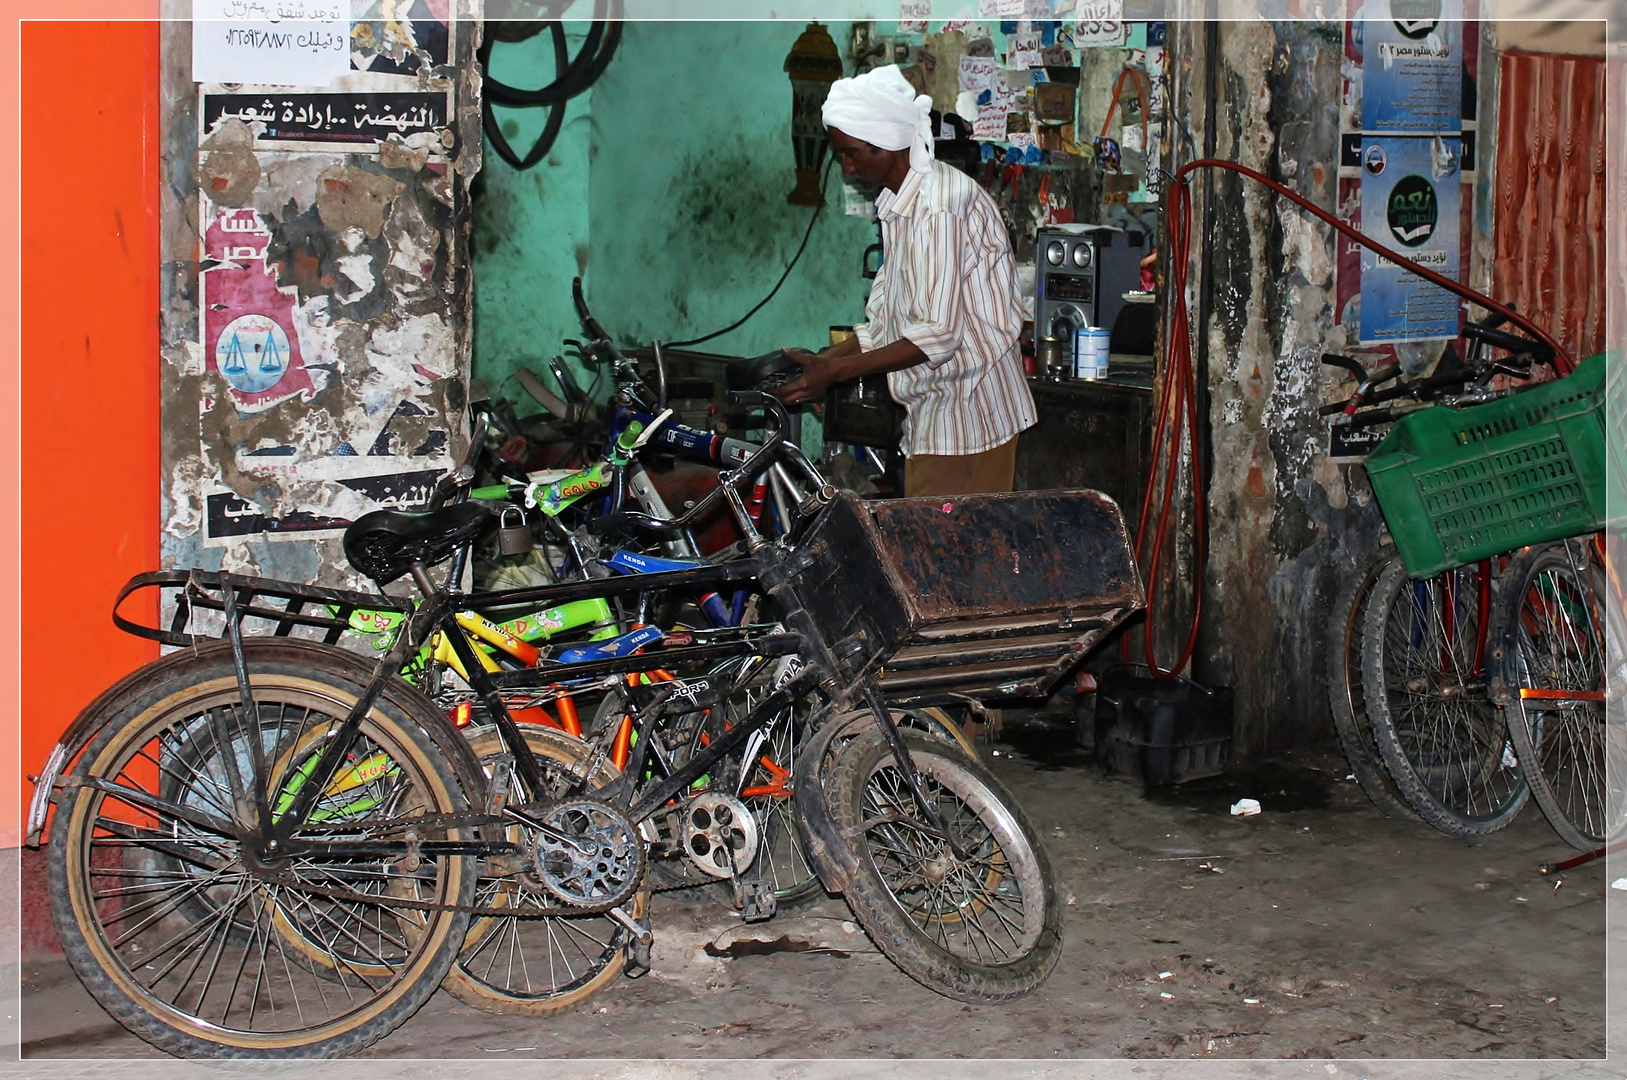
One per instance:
(638, 955)
(755, 899)
(502, 770)
(638, 949)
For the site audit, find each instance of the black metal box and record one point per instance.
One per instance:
(984, 595)
(862, 411)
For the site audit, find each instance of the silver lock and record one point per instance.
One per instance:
(513, 539)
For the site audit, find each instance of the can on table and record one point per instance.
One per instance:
(1090, 353)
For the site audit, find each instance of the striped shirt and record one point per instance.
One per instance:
(947, 283)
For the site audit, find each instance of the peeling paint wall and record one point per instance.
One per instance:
(1288, 526)
(315, 304)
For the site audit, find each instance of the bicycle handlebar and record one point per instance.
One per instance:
(1501, 339)
(589, 323)
(776, 420)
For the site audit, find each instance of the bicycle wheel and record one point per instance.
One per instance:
(761, 776)
(1423, 678)
(528, 964)
(1347, 700)
(1552, 649)
(935, 720)
(973, 916)
(241, 955)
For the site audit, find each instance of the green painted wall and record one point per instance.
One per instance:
(530, 231)
(667, 190)
(692, 162)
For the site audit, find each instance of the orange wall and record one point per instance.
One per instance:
(89, 364)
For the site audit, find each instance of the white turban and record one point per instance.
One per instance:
(882, 108)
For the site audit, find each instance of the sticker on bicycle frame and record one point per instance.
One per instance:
(788, 668)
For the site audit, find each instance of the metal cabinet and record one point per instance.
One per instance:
(1091, 435)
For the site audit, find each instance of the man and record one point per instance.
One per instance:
(943, 315)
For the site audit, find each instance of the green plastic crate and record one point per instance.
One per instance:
(1459, 485)
(1615, 438)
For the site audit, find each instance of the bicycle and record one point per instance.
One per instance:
(1555, 654)
(1407, 658)
(337, 845)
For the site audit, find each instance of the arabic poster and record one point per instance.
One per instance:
(1412, 66)
(270, 42)
(226, 515)
(1099, 23)
(913, 16)
(976, 73)
(1024, 51)
(250, 337)
(357, 117)
(1411, 198)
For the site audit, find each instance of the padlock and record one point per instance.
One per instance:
(513, 539)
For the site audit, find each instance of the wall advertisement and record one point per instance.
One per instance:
(1411, 200)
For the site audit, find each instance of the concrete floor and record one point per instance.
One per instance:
(1319, 929)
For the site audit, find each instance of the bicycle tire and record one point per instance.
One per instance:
(1446, 745)
(935, 720)
(985, 928)
(115, 913)
(538, 965)
(1346, 699)
(1552, 637)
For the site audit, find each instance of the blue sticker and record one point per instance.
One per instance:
(252, 353)
(1155, 33)
(1008, 26)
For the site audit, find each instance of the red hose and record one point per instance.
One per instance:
(1181, 396)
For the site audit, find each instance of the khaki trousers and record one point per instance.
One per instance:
(962, 474)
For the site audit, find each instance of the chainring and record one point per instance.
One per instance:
(721, 835)
(588, 854)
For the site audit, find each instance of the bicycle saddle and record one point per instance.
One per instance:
(385, 543)
(761, 372)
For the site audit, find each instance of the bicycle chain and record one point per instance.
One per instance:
(352, 896)
(445, 821)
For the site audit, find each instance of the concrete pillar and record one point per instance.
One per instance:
(315, 309)
(1287, 526)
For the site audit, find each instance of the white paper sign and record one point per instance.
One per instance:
(913, 16)
(990, 125)
(1024, 51)
(270, 42)
(1099, 23)
(976, 72)
(999, 9)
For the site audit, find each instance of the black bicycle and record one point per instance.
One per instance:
(265, 845)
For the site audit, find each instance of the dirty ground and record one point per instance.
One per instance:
(1318, 929)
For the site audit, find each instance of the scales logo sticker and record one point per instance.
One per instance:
(1412, 210)
(252, 353)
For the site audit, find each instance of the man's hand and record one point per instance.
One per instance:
(818, 372)
(842, 362)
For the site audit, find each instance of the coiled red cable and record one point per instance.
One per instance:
(1180, 391)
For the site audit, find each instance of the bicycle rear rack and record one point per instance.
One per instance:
(284, 605)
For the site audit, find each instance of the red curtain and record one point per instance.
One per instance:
(1549, 233)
